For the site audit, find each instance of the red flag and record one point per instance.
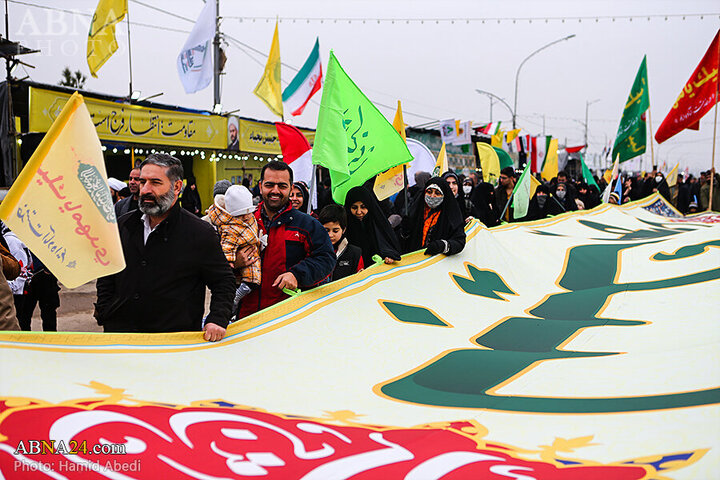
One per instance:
(296, 151)
(574, 149)
(696, 98)
(292, 142)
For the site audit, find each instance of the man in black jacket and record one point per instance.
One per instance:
(170, 256)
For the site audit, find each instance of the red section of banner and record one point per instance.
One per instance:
(292, 142)
(697, 97)
(151, 442)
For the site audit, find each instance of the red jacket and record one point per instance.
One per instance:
(296, 243)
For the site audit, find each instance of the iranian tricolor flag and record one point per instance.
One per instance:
(491, 128)
(532, 153)
(305, 84)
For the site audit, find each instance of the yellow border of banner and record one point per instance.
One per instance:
(111, 343)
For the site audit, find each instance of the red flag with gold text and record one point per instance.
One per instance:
(697, 97)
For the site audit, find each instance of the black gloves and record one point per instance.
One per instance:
(435, 247)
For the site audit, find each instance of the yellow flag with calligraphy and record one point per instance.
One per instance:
(60, 204)
(101, 37)
(550, 169)
(392, 181)
(672, 176)
(268, 88)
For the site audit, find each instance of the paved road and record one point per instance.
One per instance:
(75, 312)
(76, 309)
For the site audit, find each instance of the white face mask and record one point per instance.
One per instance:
(560, 194)
(433, 202)
(658, 179)
(467, 189)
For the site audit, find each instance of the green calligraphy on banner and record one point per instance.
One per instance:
(469, 377)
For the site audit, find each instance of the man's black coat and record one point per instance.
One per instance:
(162, 288)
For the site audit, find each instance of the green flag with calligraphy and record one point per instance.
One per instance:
(631, 138)
(353, 140)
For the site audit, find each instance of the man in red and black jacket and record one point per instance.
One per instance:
(298, 252)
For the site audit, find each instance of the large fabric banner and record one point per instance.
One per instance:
(583, 346)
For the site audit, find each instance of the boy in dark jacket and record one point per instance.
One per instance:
(349, 257)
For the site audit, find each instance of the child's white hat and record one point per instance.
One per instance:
(238, 201)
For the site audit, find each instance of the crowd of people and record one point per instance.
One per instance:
(258, 245)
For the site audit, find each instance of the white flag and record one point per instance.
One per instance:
(615, 172)
(194, 63)
(464, 134)
(448, 132)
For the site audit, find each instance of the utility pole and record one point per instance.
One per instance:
(216, 58)
(127, 18)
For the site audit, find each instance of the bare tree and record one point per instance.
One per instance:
(73, 80)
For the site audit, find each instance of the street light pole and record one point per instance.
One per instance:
(517, 74)
(587, 106)
(492, 95)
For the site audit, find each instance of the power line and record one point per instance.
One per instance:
(240, 44)
(83, 14)
(152, 7)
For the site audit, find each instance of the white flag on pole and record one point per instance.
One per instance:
(194, 63)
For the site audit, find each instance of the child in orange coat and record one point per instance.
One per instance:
(238, 228)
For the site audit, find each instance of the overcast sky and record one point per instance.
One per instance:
(411, 51)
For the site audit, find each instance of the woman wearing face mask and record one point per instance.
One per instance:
(565, 198)
(368, 228)
(542, 205)
(435, 222)
(661, 186)
(470, 211)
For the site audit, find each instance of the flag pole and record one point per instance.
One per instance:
(216, 57)
(405, 189)
(313, 189)
(712, 160)
(506, 206)
(127, 17)
(652, 148)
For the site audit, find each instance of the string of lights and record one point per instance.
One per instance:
(246, 48)
(481, 20)
(212, 155)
